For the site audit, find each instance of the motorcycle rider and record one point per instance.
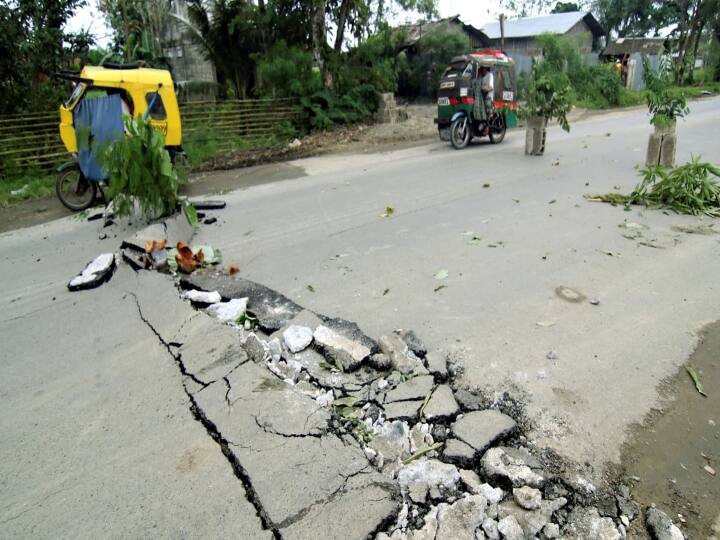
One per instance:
(487, 88)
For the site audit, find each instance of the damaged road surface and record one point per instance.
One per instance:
(98, 436)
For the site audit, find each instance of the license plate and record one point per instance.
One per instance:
(508, 96)
(443, 101)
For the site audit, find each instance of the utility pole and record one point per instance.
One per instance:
(502, 32)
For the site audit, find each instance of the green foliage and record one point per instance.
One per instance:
(549, 96)
(565, 7)
(33, 43)
(326, 108)
(420, 74)
(664, 105)
(688, 189)
(287, 72)
(595, 86)
(140, 170)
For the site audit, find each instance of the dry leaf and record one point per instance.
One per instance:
(185, 258)
(154, 245)
(233, 269)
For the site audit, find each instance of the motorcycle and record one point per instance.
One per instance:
(461, 114)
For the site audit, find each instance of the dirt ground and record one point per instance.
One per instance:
(670, 452)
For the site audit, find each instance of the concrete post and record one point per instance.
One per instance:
(535, 134)
(662, 146)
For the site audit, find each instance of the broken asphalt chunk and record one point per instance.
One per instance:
(416, 388)
(441, 405)
(230, 311)
(480, 429)
(272, 309)
(207, 205)
(341, 350)
(97, 272)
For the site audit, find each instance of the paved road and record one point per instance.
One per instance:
(611, 357)
(98, 438)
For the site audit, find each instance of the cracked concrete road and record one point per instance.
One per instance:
(98, 435)
(98, 439)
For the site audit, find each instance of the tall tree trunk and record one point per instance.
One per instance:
(319, 41)
(342, 20)
(686, 44)
(263, 25)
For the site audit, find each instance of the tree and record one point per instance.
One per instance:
(34, 43)
(565, 7)
(138, 26)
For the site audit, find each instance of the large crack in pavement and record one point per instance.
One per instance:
(211, 429)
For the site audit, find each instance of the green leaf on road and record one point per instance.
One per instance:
(389, 211)
(442, 274)
(696, 379)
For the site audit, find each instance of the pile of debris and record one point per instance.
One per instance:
(462, 469)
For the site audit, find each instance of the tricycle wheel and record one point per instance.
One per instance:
(497, 128)
(460, 133)
(74, 190)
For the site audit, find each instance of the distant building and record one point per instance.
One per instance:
(521, 42)
(415, 32)
(627, 54)
(194, 75)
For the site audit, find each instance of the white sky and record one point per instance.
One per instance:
(475, 12)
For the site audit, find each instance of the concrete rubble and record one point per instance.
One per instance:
(333, 433)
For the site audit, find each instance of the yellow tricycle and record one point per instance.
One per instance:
(101, 97)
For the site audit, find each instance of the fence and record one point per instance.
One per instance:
(33, 141)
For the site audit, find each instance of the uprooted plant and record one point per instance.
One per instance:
(140, 171)
(688, 189)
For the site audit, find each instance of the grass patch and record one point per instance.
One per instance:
(202, 147)
(29, 185)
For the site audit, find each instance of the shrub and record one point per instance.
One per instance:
(548, 94)
(140, 170)
(664, 104)
(287, 72)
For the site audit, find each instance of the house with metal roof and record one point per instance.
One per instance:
(627, 52)
(519, 36)
(415, 32)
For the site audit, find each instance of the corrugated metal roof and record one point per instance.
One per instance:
(557, 23)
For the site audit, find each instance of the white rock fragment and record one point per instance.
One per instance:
(326, 399)
(297, 338)
(429, 473)
(370, 454)
(510, 528)
(493, 495)
(551, 530)
(527, 497)
(98, 267)
(490, 528)
(229, 311)
(205, 297)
